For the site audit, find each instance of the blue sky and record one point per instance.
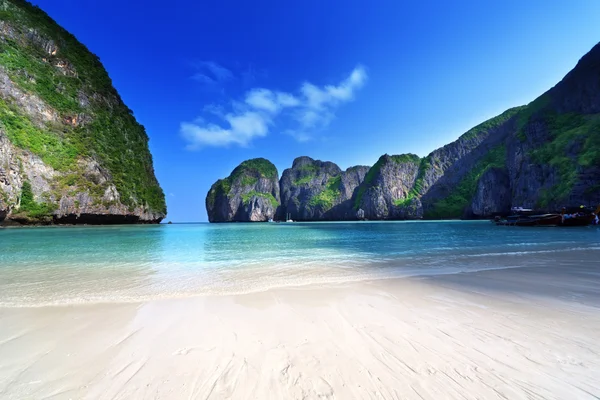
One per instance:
(216, 83)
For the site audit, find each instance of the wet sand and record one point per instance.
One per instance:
(523, 333)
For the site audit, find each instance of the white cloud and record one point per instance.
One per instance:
(311, 110)
(210, 73)
(267, 100)
(262, 99)
(287, 100)
(242, 128)
(300, 136)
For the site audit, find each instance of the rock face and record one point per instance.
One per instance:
(554, 155)
(492, 196)
(386, 191)
(249, 194)
(544, 155)
(70, 150)
(314, 190)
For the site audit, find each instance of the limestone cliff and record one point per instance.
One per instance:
(70, 149)
(314, 190)
(385, 192)
(249, 194)
(544, 155)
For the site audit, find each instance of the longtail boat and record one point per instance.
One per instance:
(580, 216)
(531, 220)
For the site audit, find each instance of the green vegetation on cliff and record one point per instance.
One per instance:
(368, 182)
(59, 153)
(454, 205)
(309, 171)
(246, 174)
(42, 58)
(491, 123)
(326, 199)
(246, 197)
(220, 187)
(32, 208)
(374, 171)
(405, 158)
(416, 191)
(255, 166)
(574, 143)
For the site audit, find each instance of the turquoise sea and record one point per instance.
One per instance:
(66, 265)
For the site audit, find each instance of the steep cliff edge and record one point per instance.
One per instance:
(314, 190)
(545, 156)
(70, 149)
(554, 154)
(249, 194)
(386, 190)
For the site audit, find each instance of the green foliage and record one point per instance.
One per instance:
(326, 199)
(58, 152)
(22, 15)
(248, 196)
(303, 181)
(248, 180)
(453, 206)
(121, 145)
(30, 207)
(406, 158)
(220, 187)
(491, 123)
(417, 188)
(27, 69)
(307, 173)
(113, 138)
(374, 171)
(368, 182)
(529, 111)
(568, 132)
(261, 166)
(246, 174)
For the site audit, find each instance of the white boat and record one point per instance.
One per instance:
(288, 217)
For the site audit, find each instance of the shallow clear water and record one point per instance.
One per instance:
(64, 265)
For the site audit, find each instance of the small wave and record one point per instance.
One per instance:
(250, 287)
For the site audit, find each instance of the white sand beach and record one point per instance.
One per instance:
(509, 334)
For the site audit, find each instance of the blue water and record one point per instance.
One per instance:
(65, 265)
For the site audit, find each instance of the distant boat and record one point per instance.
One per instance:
(525, 217)
(288, 217)
(531, 220)
(270, 219)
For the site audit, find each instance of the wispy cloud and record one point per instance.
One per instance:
(210, 73)
(311, 109)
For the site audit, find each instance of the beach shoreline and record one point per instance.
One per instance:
(514, 333)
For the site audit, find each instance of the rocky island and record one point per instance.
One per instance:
(70, 150)
(542, 155)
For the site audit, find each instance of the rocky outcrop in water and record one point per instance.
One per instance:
(314, 190)
(310, 188)
(543, 155)
(70, 149)
(386, 191)
(249, 194)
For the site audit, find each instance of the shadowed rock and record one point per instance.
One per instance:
(249, 194)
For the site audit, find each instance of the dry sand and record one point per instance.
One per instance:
(511, 334)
